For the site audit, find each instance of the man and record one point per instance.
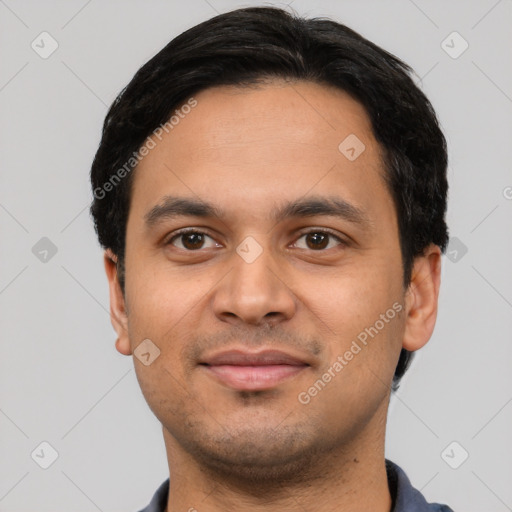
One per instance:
(271, 192)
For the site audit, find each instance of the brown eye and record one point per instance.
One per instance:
(190, 240)
(319, 240)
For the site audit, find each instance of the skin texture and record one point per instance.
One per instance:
(247, 151)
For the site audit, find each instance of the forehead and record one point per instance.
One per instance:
(277, 114)
(252, 146)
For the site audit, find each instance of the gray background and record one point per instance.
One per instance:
(61, 379)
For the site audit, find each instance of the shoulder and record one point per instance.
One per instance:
(405, 497)
(159, 500)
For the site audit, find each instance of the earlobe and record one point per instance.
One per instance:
(118, 315)
(123, 346)
(422, 299)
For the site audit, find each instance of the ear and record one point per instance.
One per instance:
(421, 299)
(118, 315)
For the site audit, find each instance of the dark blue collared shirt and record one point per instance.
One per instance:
(405, 497)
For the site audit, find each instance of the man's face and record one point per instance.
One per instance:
(254, 282)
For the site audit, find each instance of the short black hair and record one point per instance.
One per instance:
(246, 46)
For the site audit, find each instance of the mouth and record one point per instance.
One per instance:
(247, 371)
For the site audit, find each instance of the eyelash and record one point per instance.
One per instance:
(186, 231)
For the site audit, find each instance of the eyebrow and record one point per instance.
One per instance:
(173, 206)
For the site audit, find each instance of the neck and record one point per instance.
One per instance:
(352, 479)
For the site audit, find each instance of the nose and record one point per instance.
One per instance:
(254, 291)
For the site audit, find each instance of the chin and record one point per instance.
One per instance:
(262, 457)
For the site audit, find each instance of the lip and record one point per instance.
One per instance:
(250, 371)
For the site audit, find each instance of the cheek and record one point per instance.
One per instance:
(358, 311)
(355, 294)
(159, 295)
(164, 390)
(161, 306)
(363, 313)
